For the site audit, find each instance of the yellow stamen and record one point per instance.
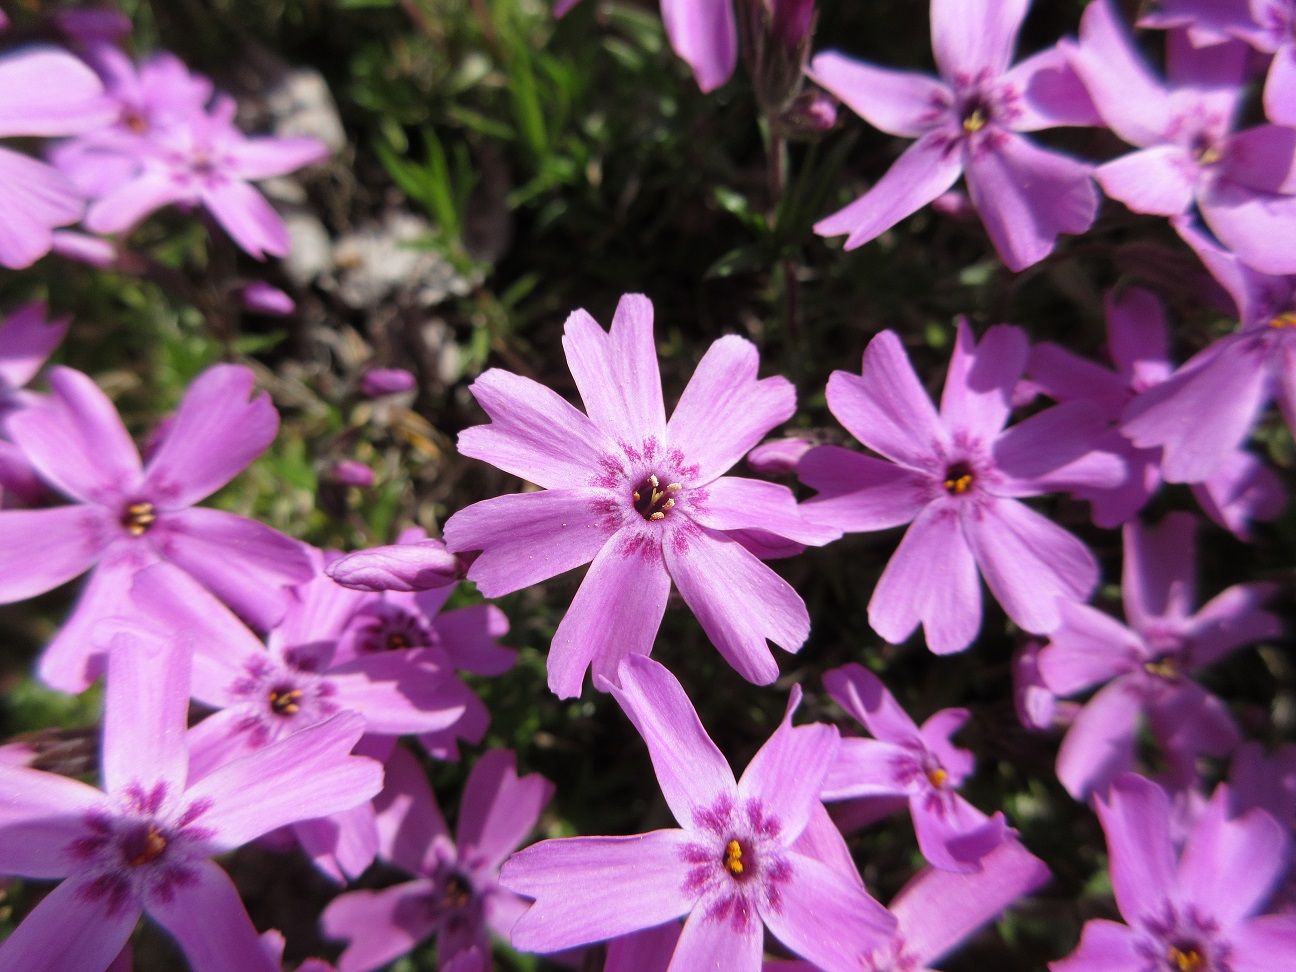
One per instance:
(1209, 156)
(139, 517)
(1162, 668)
(659, 515)
(1284, 320)
(154, 845)
(1185, 960)
(635, 495)
(937, 777)
(652, 478)
(974, 122)
(668, 505)
(674, 488)
(733, 858)
(960, 485)
(285, 703)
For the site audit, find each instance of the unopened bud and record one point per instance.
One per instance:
(417, 566)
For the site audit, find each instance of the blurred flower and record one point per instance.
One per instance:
(1147, 665)
(84, 248)
(387, 381)
(1192, 911)
(126, 516)
(1206, 22)
(1037, 707)
(778, 455)
(733, 867)
(259, 297)
(27, 338)
(456, 895)
(959, 477)
(418, 566)
(642, 498)
(920, 764)
(144, 843)
(1189, 155)
(968, 122)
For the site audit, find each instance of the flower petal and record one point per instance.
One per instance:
(1231, 619)
(690, 769)
(247, 217)
(705, 35)
(616, 372)
(787, 773)
(69, 931)
(1263, 944)
(865, 768)
(1107, 946)
(725, 410)
(379, 926)
(41, 549)
(45, 91)
(898, 102)
(1135, 816)
(1130, 99)
(499, 808)
(715, 943)
(211, 925)
(526, 538)
(972, 38)
(735, 503)
(1100, 743)
(41, 814)
(977, 397)
(858, 493)
(73, 659)
(1159, 581)
(146, 713)
(1160, 180)
(27, 338)
(616, 612)
(213, 436)
(588, 889)
(739, 601)
(863, 696)
(1088, 648)
(34, 197)
(409, 821)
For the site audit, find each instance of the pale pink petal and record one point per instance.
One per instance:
(213, 436)
(1159, 582)
(304, 775)
(931, 579)
(127, 204)
(41, 549)
(924, 170)
(526, 538)
(974, 36)
(1064, 376)
(27, 338)
(246, 564)
(1280, 87)
(1242, 490)
(468, 636)
(145, 714)
(725, 410)
(1027, 196)
(1029, 563)
(1060, 447)
(860, 493)
(396, 695)
(499, 808)
(1051, 93)
(739, 601)
(691, 771)
(936, 732)
(978, 385)
(76, 440)
(534, 433)
(1127, 95)
(711, 943)
(787, 772)
(955, 836)
(649, 950)
(72, 659)
(45, 91)
(261, 158)
(1231, 619)
(69, 932)
(885, 406)
(41, 815)
(704, 34)
(379, 926)
(1160, 180)
(964, 902)
(342, 845)
(864, 697)
(734, 503)
(824, 842)
(1100, 743)
(865, 768)
(1138, 335)
(418, 566)
(1251, 849)
(1107, 946)
(1252, 224)
(902, 103)
(211, 925)
(569, 880)
(1088, 648)
(616, 372)
(825, 917)
(1135, 817)
(409, 821)
(616, 612)
(34, 197)
(1263, 944)
(247, 217)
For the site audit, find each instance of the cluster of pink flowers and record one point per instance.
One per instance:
(304, 667)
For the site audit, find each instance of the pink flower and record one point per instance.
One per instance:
(1147, 665)
(958, 476)
(643, 498)
(733, 867)
(144, 843)
(1193, 910)
(126, 515)
(456, 895)
(969, 121)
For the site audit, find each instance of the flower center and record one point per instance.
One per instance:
(1205, 150)
(396, 641)
(144, 845)
(937, 777)
(653, 501)
(285, 701)
(958, 479)
(1287, 319)
(456, 894)
(1163, 667)
(137, 518)
(974, 120)
(134, 121)
(1185, 958)
(733, 858)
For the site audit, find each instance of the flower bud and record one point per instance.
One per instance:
(416, 566)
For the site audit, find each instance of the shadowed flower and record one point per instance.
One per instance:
(644, 499)
(733, 867)
(968, 122)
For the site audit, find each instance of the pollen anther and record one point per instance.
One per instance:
(959, 485)
(1284, 320)
(138, 518)
(733, 858)
(937, 777)
(974, 122)
(285, 702)
(659, 515)
(1185, 959)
